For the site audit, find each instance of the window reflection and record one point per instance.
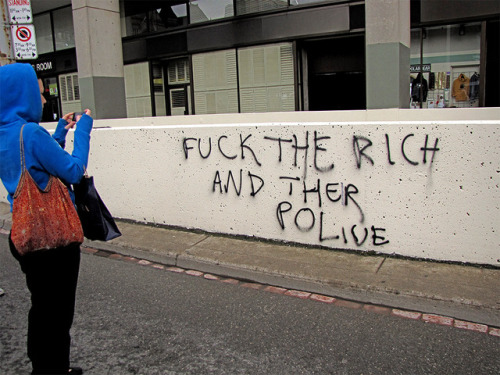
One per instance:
(63, 28)
(300, 2)
(254, 6)
(168, 16)
(44, 41)
(207, 10)
(139, 17)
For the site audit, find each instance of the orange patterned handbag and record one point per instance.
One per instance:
(42, 219)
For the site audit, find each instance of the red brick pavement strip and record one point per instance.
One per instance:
(495, 332)
(412, 315)
(255, 286)
(378, 309)
(320, 298)
(471, 326)
(275, 289)
(175, 269)
(407, 314)
(437, 319)
(298, 294)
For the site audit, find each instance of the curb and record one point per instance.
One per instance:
(334, 301)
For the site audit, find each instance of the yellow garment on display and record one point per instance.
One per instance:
(460, 90)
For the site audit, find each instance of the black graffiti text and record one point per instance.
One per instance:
(297, 147)
(305, 220)
(361, 146)
(225, 184)
(230, 152)
(329, 192)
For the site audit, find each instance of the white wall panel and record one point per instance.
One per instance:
(423, 184)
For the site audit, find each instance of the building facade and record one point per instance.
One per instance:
(184, 57)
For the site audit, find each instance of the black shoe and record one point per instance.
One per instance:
(71, 371)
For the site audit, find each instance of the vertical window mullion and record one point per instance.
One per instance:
(152, 89)
(421, 67)
(238, 79)
(53, 32)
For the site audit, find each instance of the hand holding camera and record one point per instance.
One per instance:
(73, 117)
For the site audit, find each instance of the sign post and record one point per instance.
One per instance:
(22, 31)
(6, 55)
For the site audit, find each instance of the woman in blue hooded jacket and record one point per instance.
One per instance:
(51, 275)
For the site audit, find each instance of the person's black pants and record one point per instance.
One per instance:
(51, 277)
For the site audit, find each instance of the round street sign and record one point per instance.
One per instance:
(23, 34)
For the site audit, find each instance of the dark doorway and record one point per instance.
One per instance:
(492, 88)
(337, 91)
(335, 74)
(51, 109)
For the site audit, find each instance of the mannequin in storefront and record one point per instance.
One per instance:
(419, 89)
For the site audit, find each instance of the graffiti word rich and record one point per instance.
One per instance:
(360, 145)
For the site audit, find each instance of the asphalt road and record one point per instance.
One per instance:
(133, 319)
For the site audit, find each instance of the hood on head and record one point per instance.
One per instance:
(19, 94)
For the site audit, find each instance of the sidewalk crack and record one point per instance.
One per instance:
(380, 265)
(200, 241)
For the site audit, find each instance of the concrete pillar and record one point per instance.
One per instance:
(387, 27)
(100, 57)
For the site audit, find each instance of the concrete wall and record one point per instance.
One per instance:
(417, 183)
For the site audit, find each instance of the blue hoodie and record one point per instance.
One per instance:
(20, 104)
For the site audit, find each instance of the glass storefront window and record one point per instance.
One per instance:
(63, 28)
(301, 2)
(44, 40)
(137, 90)
(207, 10)
(445, 63)
(151, 16)
(145, 17)
(179, 88)
(159, 90)
(254, 6)
(168, 16)
(266, 78)
(215, 82)
(136, 24)
(252, 79)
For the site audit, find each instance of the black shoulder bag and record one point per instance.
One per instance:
(97, 222)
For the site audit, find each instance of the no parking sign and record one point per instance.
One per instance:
(24, 40)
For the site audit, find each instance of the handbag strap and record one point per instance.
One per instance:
(21, 141)
(25, 170)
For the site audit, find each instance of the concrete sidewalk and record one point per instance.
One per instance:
(464, 292)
